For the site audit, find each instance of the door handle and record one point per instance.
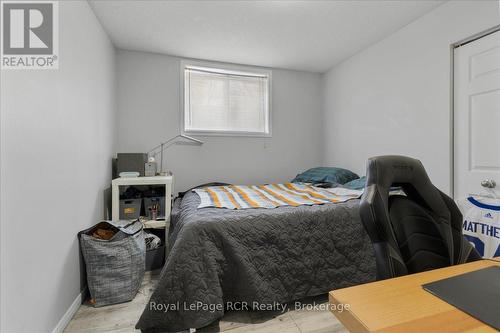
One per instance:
(488, 183)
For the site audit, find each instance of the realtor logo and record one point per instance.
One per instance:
(29, 35)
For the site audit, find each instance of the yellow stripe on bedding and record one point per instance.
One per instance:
(290, 195)
(310, 191)
(279, 196)
(214, 197)
(263, 197)
(244, 196)
(231, 197)
(303, 196)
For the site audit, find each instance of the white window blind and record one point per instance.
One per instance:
(227, 102)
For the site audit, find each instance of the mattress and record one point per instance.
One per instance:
(254, 258)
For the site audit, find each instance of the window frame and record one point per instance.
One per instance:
(229, 68)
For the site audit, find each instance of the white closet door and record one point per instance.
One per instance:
(477, 115)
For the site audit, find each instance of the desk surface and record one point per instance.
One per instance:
(402, 305)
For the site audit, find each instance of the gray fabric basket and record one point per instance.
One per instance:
(115, 267)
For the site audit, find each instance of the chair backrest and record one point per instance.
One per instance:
(415, 232)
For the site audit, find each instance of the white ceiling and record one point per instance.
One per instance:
(301, 35)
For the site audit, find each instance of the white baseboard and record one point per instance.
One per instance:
(66, 318)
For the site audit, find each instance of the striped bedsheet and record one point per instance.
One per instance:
(271, 195)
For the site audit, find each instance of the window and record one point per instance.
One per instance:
(225, 101)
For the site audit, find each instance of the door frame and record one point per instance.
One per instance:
(453, 46)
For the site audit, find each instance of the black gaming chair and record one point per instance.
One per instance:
(415, 232)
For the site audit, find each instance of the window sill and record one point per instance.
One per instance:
(228, 134)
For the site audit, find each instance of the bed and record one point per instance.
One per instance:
(254, 259)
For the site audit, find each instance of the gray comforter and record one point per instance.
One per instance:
(220, 257)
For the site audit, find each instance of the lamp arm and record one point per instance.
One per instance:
(165, 145)
(162, 145)
(191, 138)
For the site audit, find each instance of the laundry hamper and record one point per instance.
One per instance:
(115, 267)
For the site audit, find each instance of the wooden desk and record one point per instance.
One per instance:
(402, 305)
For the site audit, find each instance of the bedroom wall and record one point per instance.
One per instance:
(57, 140)
(149, 113)
(394, 97)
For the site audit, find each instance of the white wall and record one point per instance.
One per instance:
(57, 140)
(149, 113)
(394, 97)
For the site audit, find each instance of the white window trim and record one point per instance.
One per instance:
(232, 68)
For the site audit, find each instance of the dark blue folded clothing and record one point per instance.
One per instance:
(325, 175)
(356, 184)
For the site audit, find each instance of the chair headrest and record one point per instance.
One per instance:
(409, 173)
(384, 171)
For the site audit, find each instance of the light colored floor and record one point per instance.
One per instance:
(121, 318)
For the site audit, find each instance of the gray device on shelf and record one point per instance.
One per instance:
(150, 169)
(129, 162)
